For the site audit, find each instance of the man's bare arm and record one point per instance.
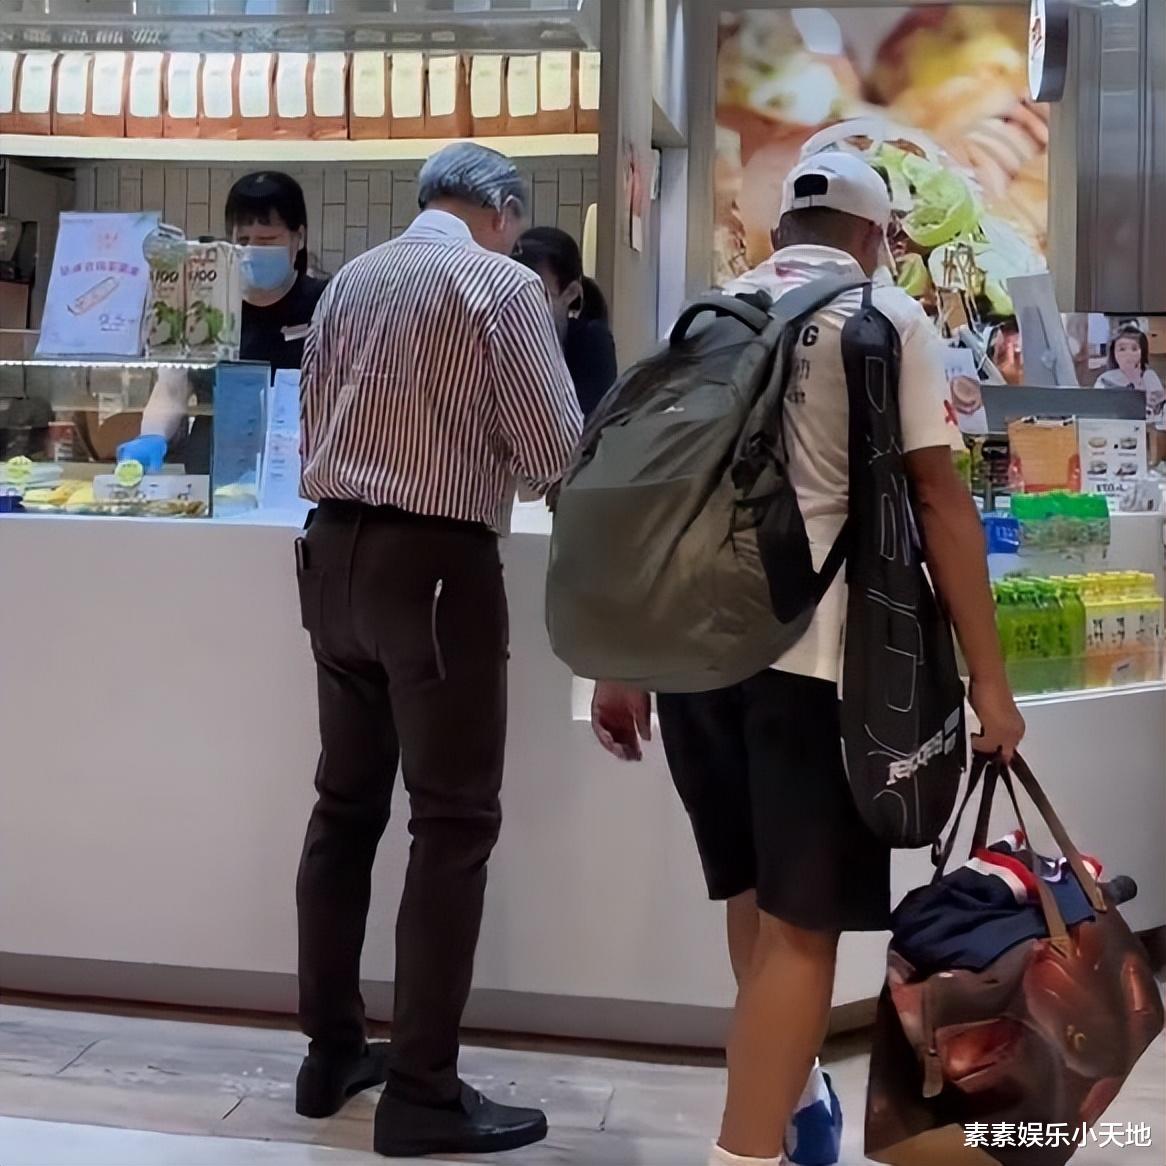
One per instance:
(956, 556)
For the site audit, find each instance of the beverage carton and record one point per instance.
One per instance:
(214, 300)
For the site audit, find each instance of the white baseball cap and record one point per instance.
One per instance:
(838, 181)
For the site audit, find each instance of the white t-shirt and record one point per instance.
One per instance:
(817, 419)
(1114, 378)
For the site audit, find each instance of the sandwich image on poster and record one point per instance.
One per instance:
(99, 286)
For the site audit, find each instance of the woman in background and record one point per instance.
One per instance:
(579, 309)
(266, 215)
(1129, 368)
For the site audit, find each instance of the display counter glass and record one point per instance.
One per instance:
(68, 430)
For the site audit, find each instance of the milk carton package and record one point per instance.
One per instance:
(214, 300)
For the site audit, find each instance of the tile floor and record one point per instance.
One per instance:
(94, 1089)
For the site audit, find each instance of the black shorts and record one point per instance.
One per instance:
(759, 768)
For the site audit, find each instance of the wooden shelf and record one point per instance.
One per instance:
(282, 150)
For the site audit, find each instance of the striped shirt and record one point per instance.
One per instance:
(433, 378)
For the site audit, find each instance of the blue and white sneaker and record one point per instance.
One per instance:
(814, 1137)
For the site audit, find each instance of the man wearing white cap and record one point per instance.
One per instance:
(759, 766)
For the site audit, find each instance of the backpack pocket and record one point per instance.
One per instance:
(785, 553)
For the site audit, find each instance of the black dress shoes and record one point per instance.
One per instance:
(326, 1082)
(473, 1125)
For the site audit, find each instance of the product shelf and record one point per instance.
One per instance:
(258, 152)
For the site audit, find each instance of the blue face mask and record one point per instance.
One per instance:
(265, 269)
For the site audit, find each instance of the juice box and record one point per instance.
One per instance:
(166, 311)
(214, 300)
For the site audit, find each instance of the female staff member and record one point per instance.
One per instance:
(266, 215)
(1129, 368)
(579, 309)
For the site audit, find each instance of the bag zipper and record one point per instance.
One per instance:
(437, 652)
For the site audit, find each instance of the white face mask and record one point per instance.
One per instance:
(266, 269)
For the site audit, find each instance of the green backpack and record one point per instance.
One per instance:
(679, 560)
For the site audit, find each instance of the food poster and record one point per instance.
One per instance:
(97, 291)
(1113, 455)
(936, 97)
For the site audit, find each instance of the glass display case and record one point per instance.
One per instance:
(1078, 599)
(131, 439)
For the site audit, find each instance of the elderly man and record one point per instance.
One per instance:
(433, 378)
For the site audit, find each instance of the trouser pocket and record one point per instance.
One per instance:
(435, 631)
(310, 581)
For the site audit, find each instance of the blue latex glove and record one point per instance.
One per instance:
(149, 449)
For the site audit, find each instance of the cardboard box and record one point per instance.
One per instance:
(330, 96)
(34, 92)
(587, 111)
(293, 86)
(108, 85)
(9, 86)
(71, 94)
(447, 97)
(256, 80)
(182, 82)
(488, 95)
(369, 119)
(522, 110)
(558, 82)
(407, 95)
(145, 104)
(218, 87)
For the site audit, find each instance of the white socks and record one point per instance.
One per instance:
(724, 1158)
(815, 1090)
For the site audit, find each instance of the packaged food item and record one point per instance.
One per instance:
(487, 90)
(218, 116)
(447, 105)
(1044, 454)
(9, 81)
(293, 114)
(165, 250)
(330, 96)
(71, 94)
(557, 81)
(368, 105)
(522, 94)
(183, 76)
(107, 96)
(214, 300)
(587, 115)
(34, 98)
(144, 107)
(407, 90)
(256, 79)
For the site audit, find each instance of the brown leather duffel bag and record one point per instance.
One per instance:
(1004, 1032)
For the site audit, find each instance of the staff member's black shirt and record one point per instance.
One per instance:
(276, 333)
(589, 351)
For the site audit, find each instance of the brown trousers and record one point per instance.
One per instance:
(409, 629)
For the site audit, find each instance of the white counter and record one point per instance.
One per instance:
(157, 745)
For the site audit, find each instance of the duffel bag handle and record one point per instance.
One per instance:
(754, 318)
(986, 769)
(1054, 920)
(981, 765)
(1044, 807)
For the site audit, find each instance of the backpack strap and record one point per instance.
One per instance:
(759, 442)
(754, 318)
(764, 431)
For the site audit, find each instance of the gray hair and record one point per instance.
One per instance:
(474, 174)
